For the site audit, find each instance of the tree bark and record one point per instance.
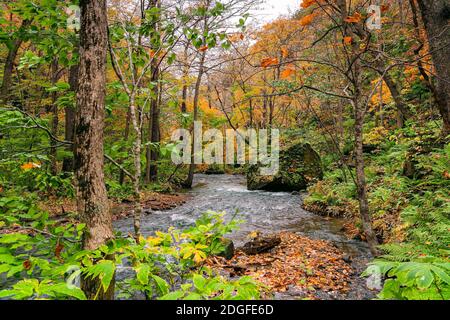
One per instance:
(126, 136)
(436, 15)
(55, 120)
(136, 122)
(190, 177)
(9, 63)
(359, 111)
(93, 206)
(70, 119)
(402, 110)
(185, 76)
(154, 130)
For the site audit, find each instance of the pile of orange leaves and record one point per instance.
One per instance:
(305, 264)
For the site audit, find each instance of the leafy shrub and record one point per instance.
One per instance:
(425, 279)
(167, 265)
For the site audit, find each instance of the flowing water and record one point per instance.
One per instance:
(267, 212)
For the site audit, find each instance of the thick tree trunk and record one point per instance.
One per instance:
(93, 206)
(436, 16)
(70, 119)
(9, 64)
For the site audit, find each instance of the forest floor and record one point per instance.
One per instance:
(120, 209)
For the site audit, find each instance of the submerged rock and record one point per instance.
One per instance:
(299, 166)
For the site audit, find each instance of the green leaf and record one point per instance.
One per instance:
(199, 282)
(68, 290)
(441, 274)
(193, 296)
(424, 278)
(142, 273)
(175, 295)
(163, 286)
(104, 270)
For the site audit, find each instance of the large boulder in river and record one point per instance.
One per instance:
(299, 166)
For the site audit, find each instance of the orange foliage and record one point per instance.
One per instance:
(348, 40)
(307, 3)
(289, 71)
(307, 20)
(355, 18)
(267, 62)
(30, 165)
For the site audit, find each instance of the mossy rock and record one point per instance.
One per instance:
(300, 165)
(228, 250)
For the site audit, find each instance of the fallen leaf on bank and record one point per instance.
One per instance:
(311, 266)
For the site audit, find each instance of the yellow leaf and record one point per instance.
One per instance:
(199, 256)
(284, 52)
(154, 241)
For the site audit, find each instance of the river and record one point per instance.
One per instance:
(267, 212)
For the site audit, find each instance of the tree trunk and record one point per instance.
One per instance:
(55, 120)
(190, 178)
(126, 135)
(70, 119)
(93, 206)
(435, 15)
(359, 111)
(136, 122)
(361, 179)
(185, 76)
(9, 63)
(154, 130)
